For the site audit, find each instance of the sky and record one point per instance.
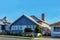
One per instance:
(13, 9)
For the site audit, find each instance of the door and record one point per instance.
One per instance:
(3, 28)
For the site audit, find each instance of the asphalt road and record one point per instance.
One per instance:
(46, 39)
(4, 38)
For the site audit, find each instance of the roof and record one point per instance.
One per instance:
(32, 18)
(35, 18)
(1, 23)
(4, 21)
(28, 18)
(55, 24)
(38, 20)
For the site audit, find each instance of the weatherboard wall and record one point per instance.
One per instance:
(21, 24)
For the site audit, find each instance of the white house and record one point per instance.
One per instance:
(55, 29)
(4, 25)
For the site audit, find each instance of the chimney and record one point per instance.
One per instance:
(43, 16)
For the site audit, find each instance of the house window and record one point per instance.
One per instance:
(3, 27)
(0, 27)
(29, 26)
(21, 27)
(57, 29)
(15, 27)
(12, 28)
(34, 26)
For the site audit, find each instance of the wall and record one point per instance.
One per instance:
(23, 22)
(54, 34)
(0, 29)
(20, 28)
(47, 28)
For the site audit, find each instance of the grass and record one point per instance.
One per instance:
(44, 37)
(9, 36)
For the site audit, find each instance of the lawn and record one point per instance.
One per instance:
(10, 36)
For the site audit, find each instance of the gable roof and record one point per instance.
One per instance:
(55, 24)
(1, 23)
(4, 21)
(35, 18)
(28, 18)
(38, 20)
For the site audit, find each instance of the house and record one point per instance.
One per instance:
(4, 25)
(55, 29)
(32, 22)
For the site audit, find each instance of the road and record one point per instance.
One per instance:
(4, 38)
(46, 39)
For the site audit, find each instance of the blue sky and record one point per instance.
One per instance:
(13, 9)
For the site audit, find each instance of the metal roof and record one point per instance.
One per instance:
(1, 23)
(35, 18)
(4, 21)
(38, 20)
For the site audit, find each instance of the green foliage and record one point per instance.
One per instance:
(38, 29)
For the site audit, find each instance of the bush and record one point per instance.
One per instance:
(38, 29)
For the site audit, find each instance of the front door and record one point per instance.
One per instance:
(3, 28)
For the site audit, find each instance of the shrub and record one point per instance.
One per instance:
(38, 29)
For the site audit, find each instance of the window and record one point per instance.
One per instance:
(0, 27)
(57, 29)
(29, 26)
(3, 27)
(34, 26)
(7, 27)
(12, 28)
(15, 27)
(21, 27)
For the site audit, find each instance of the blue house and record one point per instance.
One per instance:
(24, 22)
